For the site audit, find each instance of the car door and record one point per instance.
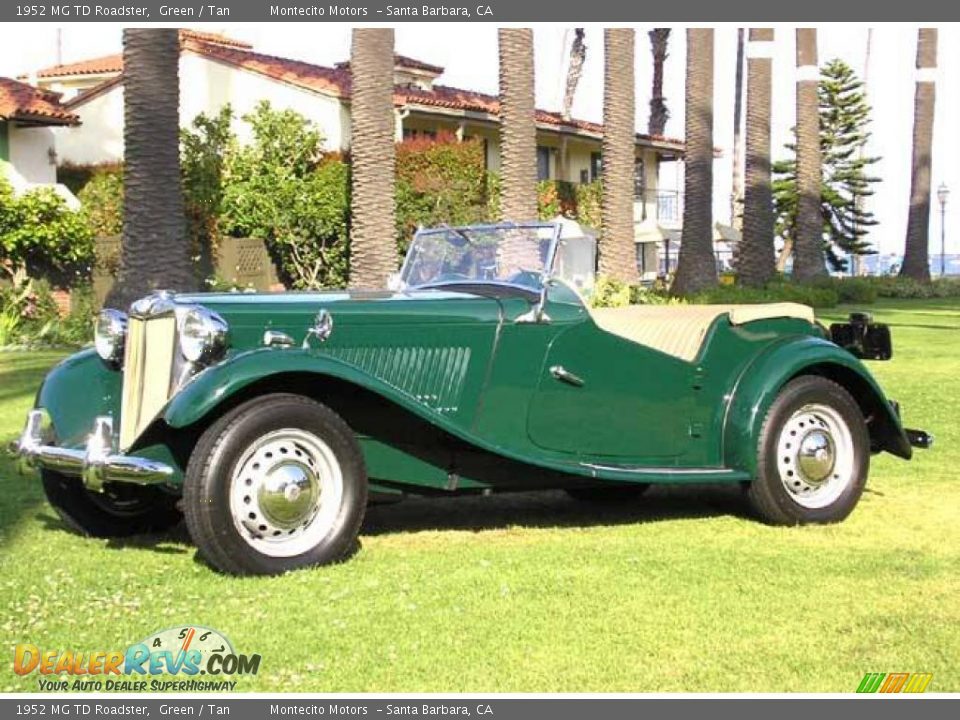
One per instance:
(602, 396)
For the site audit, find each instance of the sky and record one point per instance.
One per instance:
(469, 54)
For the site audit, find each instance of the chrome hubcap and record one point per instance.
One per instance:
(286, 492)
(815, 458)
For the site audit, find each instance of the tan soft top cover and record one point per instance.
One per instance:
(679, 330)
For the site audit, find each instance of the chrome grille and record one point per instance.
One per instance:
(148, 368)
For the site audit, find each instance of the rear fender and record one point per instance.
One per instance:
(761, 382)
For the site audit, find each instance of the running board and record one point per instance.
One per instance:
(639, 473)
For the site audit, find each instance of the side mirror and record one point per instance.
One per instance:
(394, 282)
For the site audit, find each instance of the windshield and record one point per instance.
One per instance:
(507, 254)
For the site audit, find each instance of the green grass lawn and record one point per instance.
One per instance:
(682, 591)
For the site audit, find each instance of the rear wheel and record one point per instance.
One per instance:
(813, 455)
(119, 511)
(277, 484)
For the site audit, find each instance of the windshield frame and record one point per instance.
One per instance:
(525, 290)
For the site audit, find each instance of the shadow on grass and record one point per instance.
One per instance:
(552, 509)
(539, 509)
(168, 542)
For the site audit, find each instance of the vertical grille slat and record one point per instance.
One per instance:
(147, 372)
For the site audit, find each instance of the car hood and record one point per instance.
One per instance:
(250, 314)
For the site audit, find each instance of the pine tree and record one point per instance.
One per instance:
(844, 132)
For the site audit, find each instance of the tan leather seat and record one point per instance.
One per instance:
(679, 330)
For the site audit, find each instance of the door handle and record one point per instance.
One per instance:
(564, 375)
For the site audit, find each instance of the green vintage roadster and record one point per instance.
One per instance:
(269, 420)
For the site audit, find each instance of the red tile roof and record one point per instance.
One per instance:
(414, 64)
(457, 99)
(332, 81)
(114, 63)
(95, 66)
(25, 103)
(335, 81)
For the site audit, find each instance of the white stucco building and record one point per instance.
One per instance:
(29, 118)
(216, 70)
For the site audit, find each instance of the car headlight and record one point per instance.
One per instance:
(203, 335)
(110, 335)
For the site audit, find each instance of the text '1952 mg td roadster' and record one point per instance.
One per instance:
(268, 419)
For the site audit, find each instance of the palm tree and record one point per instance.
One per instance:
(518, 131)
(756, 263)
(808, 245)
(659, 42)
(618, 254)
(696, 266)
(373, 251)
(915, 257)
(736, 191)
(155, 251)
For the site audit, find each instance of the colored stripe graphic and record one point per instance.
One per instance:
(895, 682)
(871, 682)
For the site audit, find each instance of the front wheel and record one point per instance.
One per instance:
(813, 455)
(277, 484)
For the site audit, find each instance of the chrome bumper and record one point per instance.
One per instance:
(96, 464)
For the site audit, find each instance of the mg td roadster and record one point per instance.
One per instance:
(270, 419)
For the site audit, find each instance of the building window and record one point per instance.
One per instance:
(415, 134)
(543, 163)
(596, 166)
(639, 179)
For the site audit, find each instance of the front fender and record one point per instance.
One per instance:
(218, 383)
(760, 383)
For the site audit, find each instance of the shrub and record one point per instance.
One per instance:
(610, 292)
(102, 201)
(439, 180)
(588, 204)
(556, 197)
(76, 177)
(40, 235)
(815, 296)
(205, 148)
(281, 189)
(862, 291)
(898, 287)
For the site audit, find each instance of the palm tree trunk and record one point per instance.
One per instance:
(659, 42)
(618, 253)
(808, 261)
(373, 249)
(518, 131)
(697, 265)
(736, 187)
(916, 263)
(756, 262)
(155, 250)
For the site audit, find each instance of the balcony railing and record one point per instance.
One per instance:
(669, 206)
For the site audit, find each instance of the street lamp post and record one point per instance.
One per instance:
(942, 193)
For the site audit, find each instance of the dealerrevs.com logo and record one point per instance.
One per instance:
(185, 653)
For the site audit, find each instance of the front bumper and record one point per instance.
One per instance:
(96, 464)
